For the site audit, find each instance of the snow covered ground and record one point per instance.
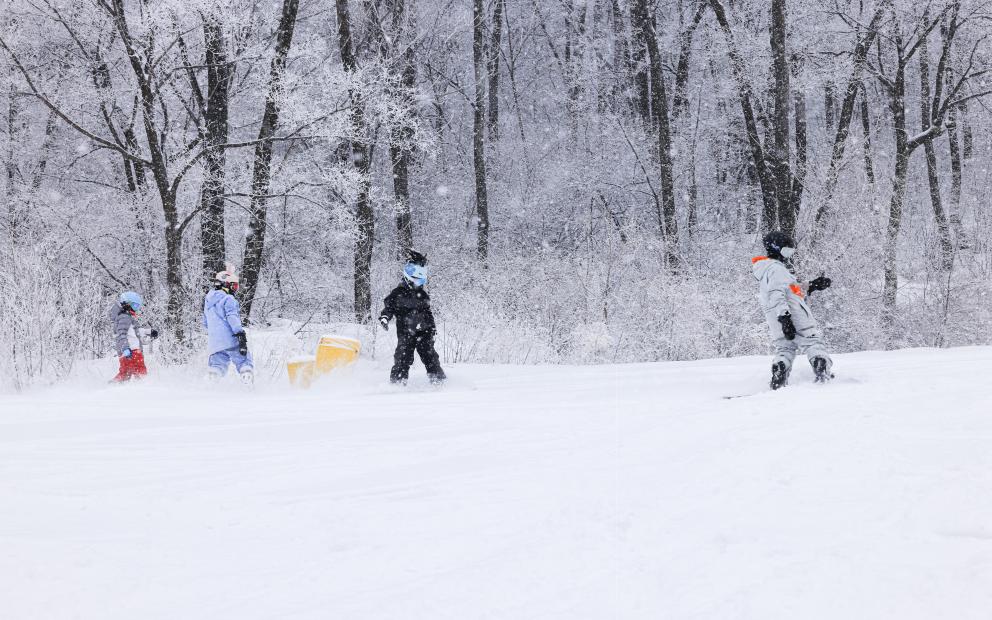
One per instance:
(516, 492)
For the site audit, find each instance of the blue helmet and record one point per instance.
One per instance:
(133, 300)
(415, 274)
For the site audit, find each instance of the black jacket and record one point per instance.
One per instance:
(411, 307)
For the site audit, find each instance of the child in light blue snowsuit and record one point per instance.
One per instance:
(227, 341)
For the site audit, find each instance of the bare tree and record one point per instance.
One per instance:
(926, 120)
(215, 108)
(781, 155)
(262, 160)
(859, 58)
(766, 178)
(479, 128)
(680, 98)
(495, 50)
(644, 34)
(904, 48)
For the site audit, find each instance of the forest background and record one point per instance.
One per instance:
(589, 178)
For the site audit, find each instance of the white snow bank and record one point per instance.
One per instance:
(516, 492)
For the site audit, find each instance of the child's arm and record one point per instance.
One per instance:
(388, 310)
(122, 323)
(232, 314)
(388, 307)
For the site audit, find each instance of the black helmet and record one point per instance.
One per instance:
(416, 258)
(776, 241)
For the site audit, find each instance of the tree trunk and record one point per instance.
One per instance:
(11, 168)
(644, 33)
(359, 151)
(902, 153)
(954, 146)
(262, 161)
(967, 135)
(926, 120)
(494, 53)
(830, 106)
(642, 80)
(866, 134)
(802, 142)
(219, 74)
(781, 157)
(846, 114)
(173, 267)
(680, 97)
(399, 147)
(479, 129)
(621, 58)
(143, 70)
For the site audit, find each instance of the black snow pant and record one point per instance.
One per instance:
(423, 344)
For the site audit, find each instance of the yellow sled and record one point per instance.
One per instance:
(301, 371)
(333, 352)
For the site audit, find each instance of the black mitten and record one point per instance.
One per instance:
(788, 328)
(242, 342)
(153, 333)
(819, 284)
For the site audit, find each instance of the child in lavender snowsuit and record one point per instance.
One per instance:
(226, 338)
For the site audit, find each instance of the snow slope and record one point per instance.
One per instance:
(516, 492)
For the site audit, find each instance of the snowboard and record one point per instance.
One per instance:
(835, 381)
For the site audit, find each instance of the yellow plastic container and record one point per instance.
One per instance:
(335, 352)
(301, 371)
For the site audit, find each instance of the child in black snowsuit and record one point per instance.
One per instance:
(410, 305)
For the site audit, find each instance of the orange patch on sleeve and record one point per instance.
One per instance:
(798, 290)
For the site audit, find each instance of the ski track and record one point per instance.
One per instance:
(631, 491)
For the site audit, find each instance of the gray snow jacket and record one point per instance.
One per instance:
(780, 292)
(125, 331)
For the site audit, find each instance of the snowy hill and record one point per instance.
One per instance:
(516, 492)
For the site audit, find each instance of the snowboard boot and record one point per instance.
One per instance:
(437, 380)
(820, 372)
(780, 375)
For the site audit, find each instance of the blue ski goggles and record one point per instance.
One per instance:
(415, 274)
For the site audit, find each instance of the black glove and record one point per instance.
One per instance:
(242, 342)
(153, 333)
(819, 284)
(384, 322)
(788, 328)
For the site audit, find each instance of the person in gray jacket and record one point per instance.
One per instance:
(790, 320)
(128, 336)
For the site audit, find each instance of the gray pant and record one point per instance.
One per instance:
(810, 346)
(808, 341)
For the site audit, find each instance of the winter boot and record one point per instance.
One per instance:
(248, 378)
(437, 380)
(820, 372)
(780, 375)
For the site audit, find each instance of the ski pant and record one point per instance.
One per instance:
(131, 367)
(808, 341)
(220, 361)
(423, 344)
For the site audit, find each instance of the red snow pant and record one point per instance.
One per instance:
(131, 367)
